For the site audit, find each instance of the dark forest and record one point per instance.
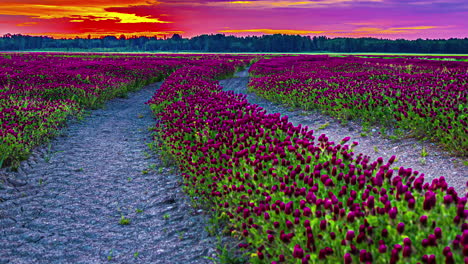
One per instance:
(223, 43)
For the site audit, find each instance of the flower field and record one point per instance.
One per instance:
(289, 195)
(295, 197)
(425, 98)
(40, 91)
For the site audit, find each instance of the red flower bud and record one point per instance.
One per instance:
(464, 238)
(406, 251)
(348, 259)
(446, 250)
(298, 252)
(438, 232)
(281, 258)
(423, 219)
(432, 240)
(323, 224)
(401, 227)
(362, 255)
(425, 242)
(393, 213)
(449, 258)
(350, 217)
(276, 224)
(260, 255)
(382, 248)
(384, 232)
(270, 238)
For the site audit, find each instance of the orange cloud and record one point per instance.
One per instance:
(103, 34)
(96, 11)
(357, 32)
(310, 4)
(367, 29)
(418, 27)
(393, 30)
(26, 24)
(272, 31)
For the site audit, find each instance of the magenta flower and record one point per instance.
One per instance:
(432, 239)
(425, 242)
(406, 251)
(298, 252)
(323, 224)
(281, 258)
(423, 219)
(407, 241)
(446, 250)
(363, 255)
(393, 213)
(438, 232)
(347, 258)
(464, 238)
(350, 217)
(271, 238)
(384, 232)
(276, 224)
(350, 235)
(401, 227)
(450, 260)
(382, 248)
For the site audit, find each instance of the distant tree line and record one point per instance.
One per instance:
(223, 43)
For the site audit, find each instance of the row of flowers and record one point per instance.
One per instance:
(40, 91)
(295, 197)
(428, 99)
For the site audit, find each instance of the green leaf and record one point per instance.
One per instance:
(373, 220)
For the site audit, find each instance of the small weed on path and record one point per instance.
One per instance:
(424, 152)
(49, 154)
(124, 221)
(323, 126)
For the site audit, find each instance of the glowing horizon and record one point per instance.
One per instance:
(392, 19)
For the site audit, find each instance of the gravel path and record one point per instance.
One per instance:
(408, 151)
(65, 204)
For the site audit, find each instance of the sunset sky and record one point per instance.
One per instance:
(409, 19)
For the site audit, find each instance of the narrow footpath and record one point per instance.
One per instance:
(98, 195)
(408, 151)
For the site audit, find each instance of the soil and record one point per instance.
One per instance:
(407, 150)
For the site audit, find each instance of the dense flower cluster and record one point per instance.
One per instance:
(296, 197)
(38, 91)
(424, 97)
